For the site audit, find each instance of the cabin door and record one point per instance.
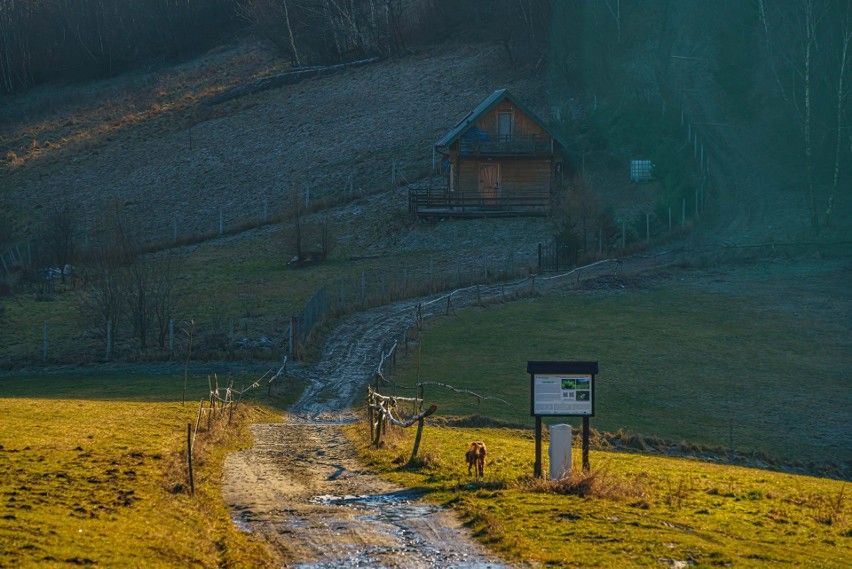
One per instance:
(489, 183)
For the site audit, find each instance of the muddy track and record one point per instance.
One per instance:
(300, 488)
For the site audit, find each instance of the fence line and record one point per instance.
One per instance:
(221, 401)
(368, 290)
(70, 343)
(242, 213)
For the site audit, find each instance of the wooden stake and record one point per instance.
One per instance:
(416, 440)
(537, 466)
(189, 457)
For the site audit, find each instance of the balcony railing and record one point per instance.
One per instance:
(440, 202)
(479, 142)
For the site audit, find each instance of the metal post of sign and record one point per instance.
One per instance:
(537, 467)
(586, 466)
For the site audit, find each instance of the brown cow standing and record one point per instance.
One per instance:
(475, 457)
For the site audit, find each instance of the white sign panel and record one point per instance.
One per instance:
(562, 394)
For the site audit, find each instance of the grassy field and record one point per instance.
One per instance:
(241, 283)
(632, 511)
(755, 356)
(91, 473)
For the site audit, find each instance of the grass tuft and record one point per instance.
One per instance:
(589, 484)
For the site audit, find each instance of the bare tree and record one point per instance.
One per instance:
(100, 302)
(17, 21)
(807, 41)
(59, 236)
(843, 92)
(124, 286)
(271, 18)
(296, 212)
(164, 298)
(149, 298)
(326, 237)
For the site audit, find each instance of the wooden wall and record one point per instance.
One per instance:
(523, 176)
(522, 123)
(516, 175)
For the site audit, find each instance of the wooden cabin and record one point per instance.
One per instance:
(500, 160)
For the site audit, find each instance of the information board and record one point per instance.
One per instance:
(563, 394)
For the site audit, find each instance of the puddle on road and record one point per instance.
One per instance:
(395, 511)
(241, 524)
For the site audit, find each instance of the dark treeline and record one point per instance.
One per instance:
(43, 40)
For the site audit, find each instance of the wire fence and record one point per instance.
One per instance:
(403, 281)
(491, 278)
(156, 229)
(221, 404)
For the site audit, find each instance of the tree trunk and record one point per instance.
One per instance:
(293, 49)
(809, 45)
(838, 124)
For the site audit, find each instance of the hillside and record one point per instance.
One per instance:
(189, 164)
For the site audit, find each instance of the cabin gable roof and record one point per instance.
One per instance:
(470, 120)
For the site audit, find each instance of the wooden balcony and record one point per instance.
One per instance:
(481, 143)
(439, 202)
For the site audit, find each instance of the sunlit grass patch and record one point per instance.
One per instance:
(87, 480)
(629, 510)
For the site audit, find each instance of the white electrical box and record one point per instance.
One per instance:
(560, 451)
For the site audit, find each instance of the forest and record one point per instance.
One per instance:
(44, 40)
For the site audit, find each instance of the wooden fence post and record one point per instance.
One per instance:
(363, 288)
(378, 432)
(417, 440)
(537, 464)
(108, 339)
(189, 457)
(405, 280)
(370, 415)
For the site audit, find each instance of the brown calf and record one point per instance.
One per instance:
(475, 457)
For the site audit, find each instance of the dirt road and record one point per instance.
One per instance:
(300, 488)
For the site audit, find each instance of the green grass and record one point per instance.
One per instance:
(91, 471)
(634, 511)
(690, 360)
(236, 282)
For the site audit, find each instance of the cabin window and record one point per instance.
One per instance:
(504, 126)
